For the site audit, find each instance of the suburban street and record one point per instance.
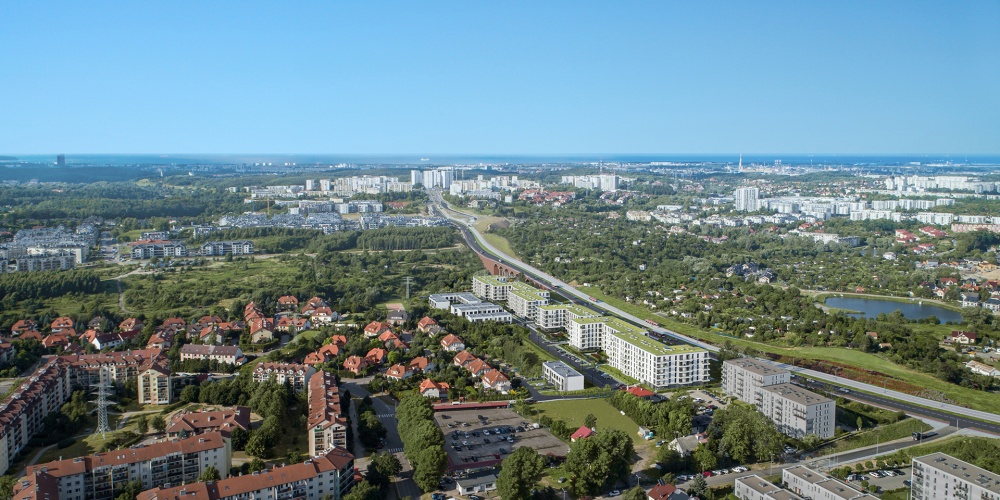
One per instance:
(892, 399)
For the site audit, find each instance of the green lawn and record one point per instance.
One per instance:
(881, 434)
(574, 411)
(971, 398)
(616, 373)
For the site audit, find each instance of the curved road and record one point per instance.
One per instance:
(480, 245)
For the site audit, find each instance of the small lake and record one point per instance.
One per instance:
(870, 308)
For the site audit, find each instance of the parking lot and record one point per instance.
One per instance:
(470, 439)
(885, 483)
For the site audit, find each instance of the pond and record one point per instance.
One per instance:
(869, 308)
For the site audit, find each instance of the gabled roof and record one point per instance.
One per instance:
(639, 391)
(355, 363)
(429, 384)
(582, 433)
(377, 355)
(426, 321)
(494, 377)
(450, 340)
(397, 371)
(465, 357)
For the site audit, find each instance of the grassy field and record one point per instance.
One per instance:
(483, 224)
(969, 397)
(616, 373)
(880, 434)
(574, 411)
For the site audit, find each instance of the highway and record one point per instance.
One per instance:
(479, 244)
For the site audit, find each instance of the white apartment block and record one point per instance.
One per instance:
(525, 300)
(938, 476)
(326, 423)
(102, 476)
(756, 488)
(586, 333)
(798, 412)
(743, 377)
(561, 376)
(483, 311)
(813, 485)
(745, 199)
(495, 288)
(445, 300)
(655, 363)
(553, 316)
(794, 410)
(294, 374)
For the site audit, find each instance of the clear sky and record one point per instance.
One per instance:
(500, 77)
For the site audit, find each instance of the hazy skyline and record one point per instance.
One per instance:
(512, 78)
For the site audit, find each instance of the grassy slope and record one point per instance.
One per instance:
(969, 397)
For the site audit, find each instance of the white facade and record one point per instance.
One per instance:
(937, 476)
(483, 311)
(525, 300)
(745, 199)
(657, 364)
(756, 488)
(811, 484)
(555, 316)
(493, 288)
(798, 412)
(561, 376)
(742, 378)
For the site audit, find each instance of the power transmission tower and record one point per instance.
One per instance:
(102, 405)
(408, 280)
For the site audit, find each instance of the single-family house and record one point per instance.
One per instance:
(452, 343)
(261, 330)
(464, 358)
(288, 303)
(425, 323)
(376, 356)
(61, 324)
(963, 337)
(398, 372)
(583, 432)
(356, 364)
(376, 328)
(497, 381)
(432, 389)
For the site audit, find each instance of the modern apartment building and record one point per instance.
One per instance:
(22, 412)
(808, 483)
(937, 476)
(158, 248)
(655, 363)
(525, 300)
(296, 375)
(210, 248)
(757, 488)
(102, 476)
(561, 376)
(326, 423)
(329, 474)
(743, 377)
(553, 316)
(798, 412)
(495, 288)
(220, 353)
(154, 382)
(483, 311)
(795, 411)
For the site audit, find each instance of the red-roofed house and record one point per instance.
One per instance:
(22, 326)
(130, 325)
(388, 336)
(583, 432)
(261, 330)
(398, 372)
(376, 328)
(963, 337)
(288, 303)
(432, 389)
(497, 381)
(667, 492)
(452, 343)
(322, 315)
(174, 323)
(376, 356)
(61, 324)
(339, 340)
(356, 364)
(639, 392)
(478, 368)
(464, 358)
(420, 364)
(324, 354)
(425, 323)
(54, 340)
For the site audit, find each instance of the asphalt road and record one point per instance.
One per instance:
(386, 411)
(893, 399)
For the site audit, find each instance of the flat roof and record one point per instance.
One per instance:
(654, 347)
(796, 394)
(961, 469)
(493, 280)
(562, 369)
(467, 297)
(531, 294)
(760, 485)
(753, 365)
(838, 489)
(482, 306)
(804, 473)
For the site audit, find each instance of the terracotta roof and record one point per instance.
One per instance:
(426, 321)
(377, 355)
(130, 324)
(355, 363)
(451, 339)
(335, 459)
(396, 371)
(419, 363)
(376, 328)
(662, 491)
(340, 340)
(288, 299)
(639, 391)
(62, 322)
(324, 401)
(465, 357)
(494, 377)
(582, 433)
(387, 336)
(222, 420)
(430, 384)
(174, 322)
(23, 325)
(135, 454)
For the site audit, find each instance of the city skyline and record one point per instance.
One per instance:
(524, 79)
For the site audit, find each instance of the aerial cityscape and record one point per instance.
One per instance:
(333, 250)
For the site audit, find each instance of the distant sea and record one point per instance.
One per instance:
(472, 159)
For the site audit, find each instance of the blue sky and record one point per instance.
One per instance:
(499, 77)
